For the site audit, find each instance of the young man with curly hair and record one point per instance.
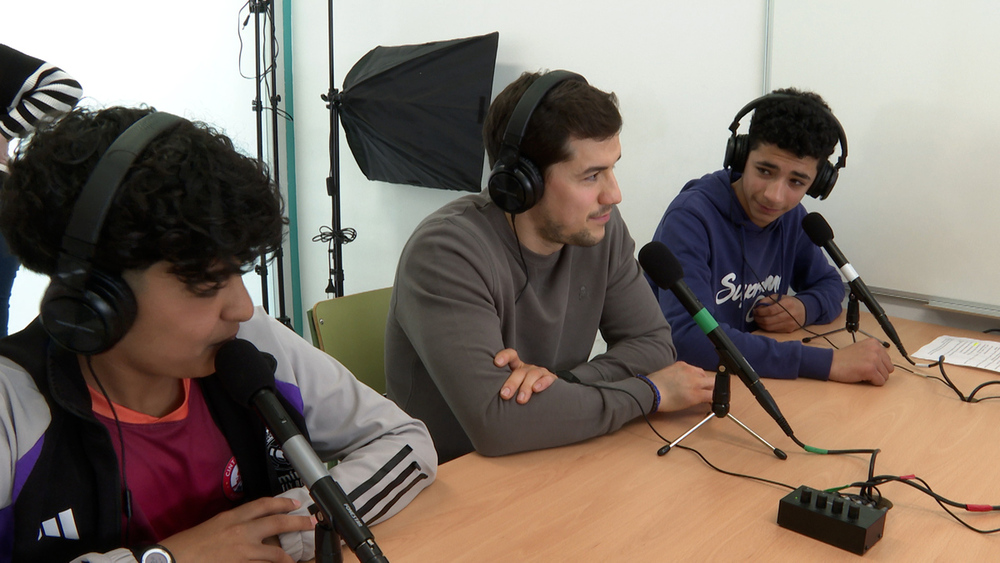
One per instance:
(738, 235)
(128, 445)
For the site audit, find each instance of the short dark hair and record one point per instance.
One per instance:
(571, 110)
(190, 199)
(798, 122)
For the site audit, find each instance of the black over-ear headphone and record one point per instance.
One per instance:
(84, 309)
(515, 182)
(738, 147)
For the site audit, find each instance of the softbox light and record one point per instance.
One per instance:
(413, 114)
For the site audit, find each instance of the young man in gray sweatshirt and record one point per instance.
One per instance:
(499, 296)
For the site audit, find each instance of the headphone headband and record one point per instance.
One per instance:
(517, 125)
(738, 146)
(515, 183)
(85, 309)
(841, 135)
(99, 193)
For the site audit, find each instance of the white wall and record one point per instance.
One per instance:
(916, 89)
(680, 69)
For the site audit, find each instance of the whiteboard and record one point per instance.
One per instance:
(916, 87)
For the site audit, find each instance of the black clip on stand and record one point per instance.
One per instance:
(336, 519)
(720, 409)
(328, 548)
(852, 325)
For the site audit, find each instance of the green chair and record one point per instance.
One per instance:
(352, 329)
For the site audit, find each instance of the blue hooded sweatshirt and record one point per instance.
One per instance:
(730, 264)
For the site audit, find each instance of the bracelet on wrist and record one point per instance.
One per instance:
(656, 393)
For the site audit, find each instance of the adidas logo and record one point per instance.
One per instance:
(62, 526)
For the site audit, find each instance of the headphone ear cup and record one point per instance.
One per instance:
(826, 177)
(737, 152)
(516, 189)
(91, 320)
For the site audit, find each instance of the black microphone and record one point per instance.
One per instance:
(248, 376)
(667, 273)
(821, 235)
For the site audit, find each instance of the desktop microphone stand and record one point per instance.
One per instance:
(720, 409)
(328, 548)
(852, 325)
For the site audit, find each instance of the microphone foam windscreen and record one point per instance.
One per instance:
(243, 369)
(817, 229)
(661, 264)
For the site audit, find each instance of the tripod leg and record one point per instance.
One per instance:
(666, 449)
(809, 339)
(777, 453)
(851, 324)
(884, 343)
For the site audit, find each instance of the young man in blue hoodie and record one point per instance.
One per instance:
(738, 235)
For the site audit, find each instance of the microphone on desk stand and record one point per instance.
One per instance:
(667, 273)
(664, 269)
(821, 234)
(852, 322)
(248, 375)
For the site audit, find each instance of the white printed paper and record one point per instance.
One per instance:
(982, 354)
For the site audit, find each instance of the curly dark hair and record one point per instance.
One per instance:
(570, 110)
(190, 199)
(799, 122)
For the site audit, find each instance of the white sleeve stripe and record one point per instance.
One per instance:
(49, 91)
(26, 116)
(30, 82)
(48, 102)
(17, 123)
(53, 100)
(69, 89)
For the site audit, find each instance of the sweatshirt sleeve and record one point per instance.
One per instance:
(40, 91)
(688, 239)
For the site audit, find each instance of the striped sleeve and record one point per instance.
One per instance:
(382, 458)
(377, 496)
(48, 93)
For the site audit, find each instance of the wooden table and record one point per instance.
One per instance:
(613, 499)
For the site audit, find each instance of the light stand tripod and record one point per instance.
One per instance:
(720, 409)
(263, 77)
(852, 324)
(411, 114)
